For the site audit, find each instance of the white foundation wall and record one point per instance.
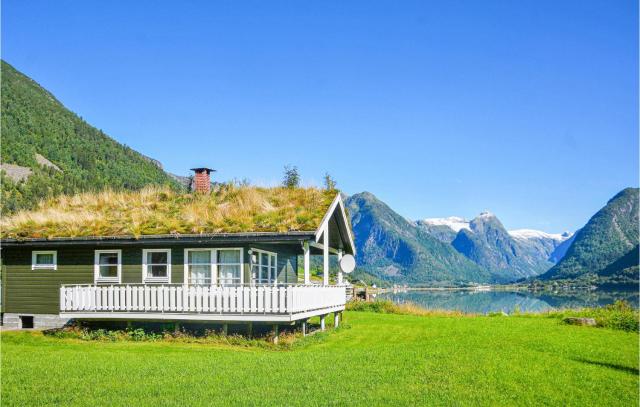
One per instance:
(40, 321)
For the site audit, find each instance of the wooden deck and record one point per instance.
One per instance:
(180, 302)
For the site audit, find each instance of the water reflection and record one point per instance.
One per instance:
(525, 301)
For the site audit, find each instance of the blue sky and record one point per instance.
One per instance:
(528, 109)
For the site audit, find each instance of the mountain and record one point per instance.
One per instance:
(509, 255)
(605, 246)
(551, 246)
(561, 250)
(394, 249)
(48, 150)
(626, 266)
(444, 229)
(488, 244)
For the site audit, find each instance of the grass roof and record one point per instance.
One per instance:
(161, 210)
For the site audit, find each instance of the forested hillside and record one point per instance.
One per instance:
(393, 249)
(607, 246)
(58, 152)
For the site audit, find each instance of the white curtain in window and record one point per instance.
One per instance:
(229, 266)
(200, 267)
(228, 256)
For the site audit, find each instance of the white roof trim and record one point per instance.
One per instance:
(325, 220)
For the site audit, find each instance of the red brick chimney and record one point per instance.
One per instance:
(202, 180)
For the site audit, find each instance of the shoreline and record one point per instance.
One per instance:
(504, 288)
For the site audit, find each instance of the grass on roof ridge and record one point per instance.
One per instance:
(230, 208)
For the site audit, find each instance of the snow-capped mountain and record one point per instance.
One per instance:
(456, 223)
(509, 254)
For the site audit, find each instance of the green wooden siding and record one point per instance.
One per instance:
(37, 291)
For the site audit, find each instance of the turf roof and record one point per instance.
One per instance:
(155, 211)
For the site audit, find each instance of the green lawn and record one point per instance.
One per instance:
(378, 359)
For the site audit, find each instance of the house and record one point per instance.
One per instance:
(228, 256)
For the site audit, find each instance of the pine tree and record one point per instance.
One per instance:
(329, 182)
(291, 177)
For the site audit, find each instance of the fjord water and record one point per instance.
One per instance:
(482, 302)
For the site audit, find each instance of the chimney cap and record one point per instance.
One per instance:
(203, 169)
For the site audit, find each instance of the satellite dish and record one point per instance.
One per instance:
(347, 263)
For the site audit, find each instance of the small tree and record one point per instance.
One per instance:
(291, 176)
(329, 182)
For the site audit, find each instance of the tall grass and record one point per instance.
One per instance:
(620, 315)
(408, 308)
(160, 210)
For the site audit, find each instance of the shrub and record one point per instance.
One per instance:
(389, 307)
(380, 306)
(291, 177)
(619, 315)
(287, 339)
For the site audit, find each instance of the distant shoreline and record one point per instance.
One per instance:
(513, 288)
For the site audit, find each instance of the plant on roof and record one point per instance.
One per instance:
(230, 208)
(291, 177)
(329, 182)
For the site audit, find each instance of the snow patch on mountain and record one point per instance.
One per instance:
(456, 223)
(526, 234)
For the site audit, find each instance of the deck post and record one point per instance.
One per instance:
(307, 261)
(339, 269)
(250, 329)
(129, 326)
(176, 327)
(276, 333)
(325, 255)
(336, 319)
(225, 329)
(304, 327)
(322, 325)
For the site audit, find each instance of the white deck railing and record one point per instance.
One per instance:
(178, 298)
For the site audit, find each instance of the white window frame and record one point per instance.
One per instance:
(211, 263)
(214, 262)
(34, 256)
(96, 267)
(145, 275)
(269, 266)
(241, 264)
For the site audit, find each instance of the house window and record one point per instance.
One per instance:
(198, 266)
(156, 265)
(229, 264)
(213, 266)
(108, 266)
(263, 267)
(44, 260)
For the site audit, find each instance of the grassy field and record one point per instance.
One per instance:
(376, 359)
